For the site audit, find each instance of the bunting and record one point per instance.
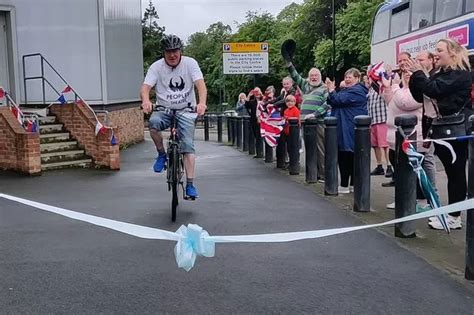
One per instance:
(99, 128)
(113, 141)
(62, 99)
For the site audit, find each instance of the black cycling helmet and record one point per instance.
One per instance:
(171, 42)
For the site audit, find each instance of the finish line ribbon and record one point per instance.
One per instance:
(193, 241)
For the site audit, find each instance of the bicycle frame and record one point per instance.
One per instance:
(175, 169)
(173, 149)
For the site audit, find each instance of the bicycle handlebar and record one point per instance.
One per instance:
(188, 106)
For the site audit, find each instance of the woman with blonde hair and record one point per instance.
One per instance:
(240, 105)
(450, 91)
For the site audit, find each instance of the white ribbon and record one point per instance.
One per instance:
(193, 241)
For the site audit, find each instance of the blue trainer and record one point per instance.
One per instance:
(191, 192)
(160, 163)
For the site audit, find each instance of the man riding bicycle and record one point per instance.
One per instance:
(174, 78)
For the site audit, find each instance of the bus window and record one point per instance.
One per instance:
(380, 31)
(446, 9)
(400, 20)
(421, 13)
(469, 6)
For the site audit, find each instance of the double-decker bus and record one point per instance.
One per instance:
(416, 25)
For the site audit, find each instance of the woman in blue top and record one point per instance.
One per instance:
(349, 102)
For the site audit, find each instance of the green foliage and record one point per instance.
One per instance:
(152, 34)
(354, 25)
(309, 24)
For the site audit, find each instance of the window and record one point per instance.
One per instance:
(446, 9)
(421, 13)
(400, 20)
(380, 30)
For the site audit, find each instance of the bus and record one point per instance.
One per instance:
(416, 25)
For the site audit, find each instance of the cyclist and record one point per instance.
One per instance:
(174, 78)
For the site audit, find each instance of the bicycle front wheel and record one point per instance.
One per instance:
(174, 181)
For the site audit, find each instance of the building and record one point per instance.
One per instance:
(94, 45)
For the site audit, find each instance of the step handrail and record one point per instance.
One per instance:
(44, 79)
(22, 116)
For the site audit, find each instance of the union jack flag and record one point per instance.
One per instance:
(271, 123)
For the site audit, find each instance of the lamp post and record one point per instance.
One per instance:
(333, 41)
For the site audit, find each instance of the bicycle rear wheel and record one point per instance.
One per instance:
(174, 159)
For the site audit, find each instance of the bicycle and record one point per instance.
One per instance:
(175, 164)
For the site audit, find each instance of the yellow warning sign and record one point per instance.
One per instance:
(244, 47)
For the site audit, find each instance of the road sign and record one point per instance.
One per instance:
(245, 58)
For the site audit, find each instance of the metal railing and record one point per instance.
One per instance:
(43, 62)
(22, 117)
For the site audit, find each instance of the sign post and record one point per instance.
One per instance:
(245, 58)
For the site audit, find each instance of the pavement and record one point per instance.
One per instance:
(53, 264)
(442, 250)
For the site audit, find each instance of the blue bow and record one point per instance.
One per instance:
(193, 241)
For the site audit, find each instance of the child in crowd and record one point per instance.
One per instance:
(291, 112)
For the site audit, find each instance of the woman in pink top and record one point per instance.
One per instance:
(400, 102)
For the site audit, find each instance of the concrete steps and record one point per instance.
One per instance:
(58, 149)
(85, 163)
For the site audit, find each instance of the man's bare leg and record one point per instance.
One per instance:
(189, 161)
(378, 155)
(157, 139)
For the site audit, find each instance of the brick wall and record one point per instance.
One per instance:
(80, 122)
(129, 124)
(19, 150)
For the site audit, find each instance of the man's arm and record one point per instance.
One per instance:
(299, 80)
(202, 94)
(145, 97)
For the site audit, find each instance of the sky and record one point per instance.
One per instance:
(185, 17)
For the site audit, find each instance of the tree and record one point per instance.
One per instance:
(312, 24)
(152, 34)
(352, 38)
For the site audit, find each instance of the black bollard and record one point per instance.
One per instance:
(251, 138)
(229, 129)
(268, 153)
(362, 163)
(405, 185)
(239, 132)
(294, 146)
(234, 131)
(206, 128)
(469, 270)
(245, 130)
(258, 144)
(330, 156)
(219, 128)
(281, 151)
(311, 150)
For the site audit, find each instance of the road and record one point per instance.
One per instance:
(52, 264)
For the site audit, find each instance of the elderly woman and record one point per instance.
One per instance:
(450, 91)
(349, 102)
(240, 105)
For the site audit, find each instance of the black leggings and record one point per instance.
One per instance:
(345, 159)
(456, 172)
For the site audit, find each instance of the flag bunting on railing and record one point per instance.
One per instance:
(99, 127)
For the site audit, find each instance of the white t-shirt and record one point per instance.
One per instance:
(174, 86)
